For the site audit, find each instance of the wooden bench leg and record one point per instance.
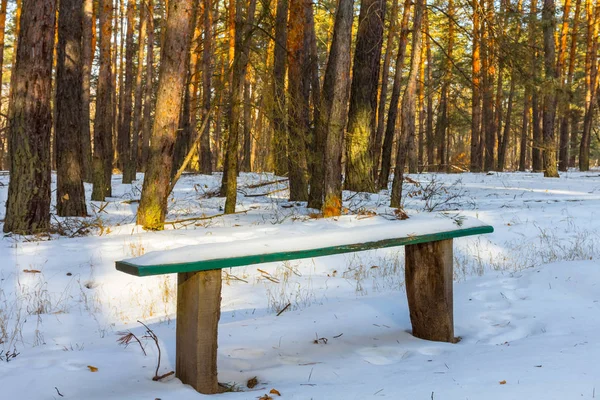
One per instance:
(428, 274)
(198, 313)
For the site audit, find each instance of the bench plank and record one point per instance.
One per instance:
(132, 268)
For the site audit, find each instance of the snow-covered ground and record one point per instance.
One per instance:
(527, 298)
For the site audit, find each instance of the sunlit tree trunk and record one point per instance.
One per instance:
(148, 88)
(126, 100)
(363, 97)
(3, 149)
(488, 74)
(442, 125)
(429, 122)
(279, 101)
(207, 53)
(408, 106)
(317, 148)
(591, 73)
(549, 26)
(333, 110)
(385, 70)
(134, 155)
(390, 127)
(476, 90)
(243, 28)
(103, 123)
(298, 113)
(536, 152)
(30, 124)
(563, 99)
(172, 76)
(570, 115)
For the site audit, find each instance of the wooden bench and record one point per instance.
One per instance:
(428, 275)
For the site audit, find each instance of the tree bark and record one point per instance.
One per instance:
(148, 89)
(317, 150)
(333, 110)
(408, 106)
(390, 127)
(103, 123)
(30, 124)
(549, 26)
(562, 100)
(476, 89)
(385, 70)
(591, 74)
(298, 95)
(3, 140)
(488, 82)
(207, 53)
(70, 196)
(134, 155)
(171, 84)
(565, 121)
(126, 100)
(87, 54)
(239, 69)
(536, 156)
(363, 97)
(279, 103)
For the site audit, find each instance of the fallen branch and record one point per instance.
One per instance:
(262, 194)
(257, 185)
(180, 221)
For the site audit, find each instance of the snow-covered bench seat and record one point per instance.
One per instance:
(428, 275)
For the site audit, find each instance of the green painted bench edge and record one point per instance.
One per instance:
(206, 265)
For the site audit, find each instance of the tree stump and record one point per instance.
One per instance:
(428, 274)
(198, 313)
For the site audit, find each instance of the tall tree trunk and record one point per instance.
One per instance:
(385, 70)
(505, 137)
(524, 147)
(298, 112)
(549, 25)
(126, 100)
(148, 89)
(363, 97)
(442, 126)
(246, 165)
(239, 68)
(87, 54)
(565, 123)
(207, 53)
(17, 30)
(103, 123)
(70, 196)
(536, 156)
(317, 150)
(591, 73)
(429, 123)
(422, 111)
(488, 81)
(279, 101)
(153, 204)
(28, 204)
(390, 127)
(138, 95)
(333, 110)
(562, 101)
(3, 148)
(408, 106)
(476, 89)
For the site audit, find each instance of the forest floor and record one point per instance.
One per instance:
(526, 300)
